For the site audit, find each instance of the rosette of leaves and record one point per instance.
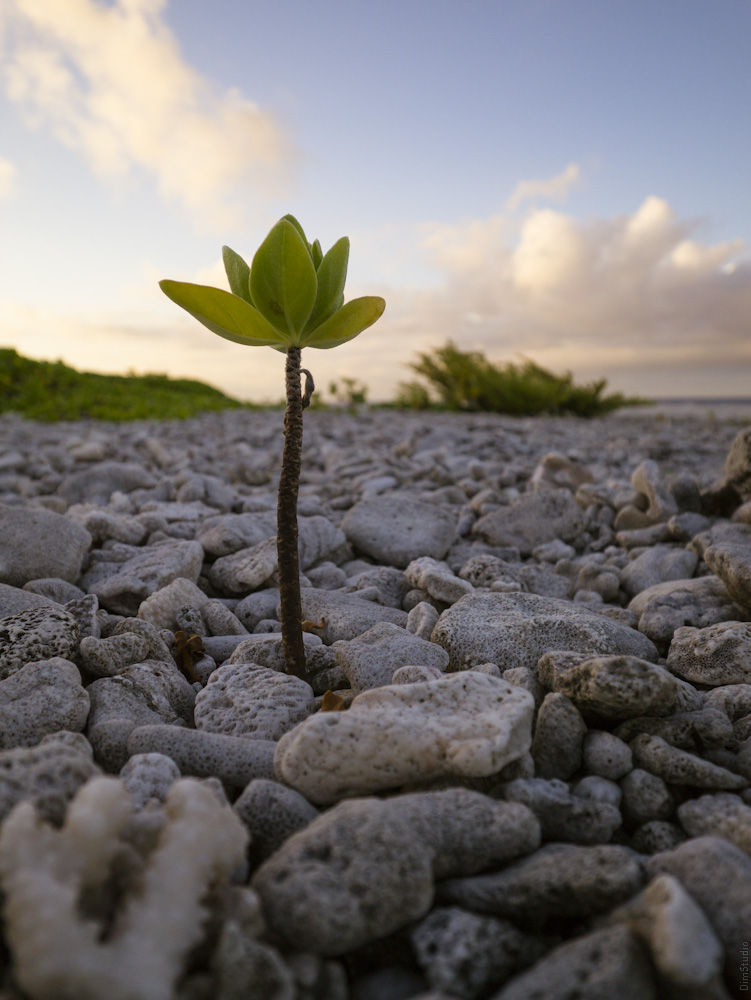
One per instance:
(291, 296)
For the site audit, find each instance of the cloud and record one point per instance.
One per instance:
(551, 188)
(109, 81)
(8, 174)
(608, 297)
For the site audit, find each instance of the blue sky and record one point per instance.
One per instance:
(561, 179)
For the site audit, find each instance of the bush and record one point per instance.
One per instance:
(45, 390)
(466, 380)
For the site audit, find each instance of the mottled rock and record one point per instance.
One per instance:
(436, 578)
(146, 573)
(42, 697)
(618, 687)
(697, 731)
(367, 867)
(395, 530)
(722, 814)
(563, 816)
(684, 948)
(468, 724)
(272, 813)
(533, 519)
(514, 630)
(558, 880)
(680, 767)
(657, 565)
(96, 484)
(717, 655)
(647, 480)
(606, 755)
(203, 755)
(161, 607)
(604, 963)
(559, 733)
(39, 543)
(344, 615)
(370, 660)
(646, 798)
(252, 702)
(466, 954)
(37, 634)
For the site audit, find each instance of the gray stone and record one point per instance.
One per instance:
(148, 777)
(696, 731)
(106, 657)
(97, 484)
(42, 697)
(732, 699)
(369, 660)
(39, 543)
(657, 565)
(436, 578)
(646, 797)
(220, 620)
(606, 755)
(58, 590)
(48, 775)
(656, 835)
(421, 620)
(533, 519)
(618, 687)
(466, 955)
(272, 813)
(646, 479)
(367, 867)
(681, 768)
(722, 814)
(725, 898)
(161, 607)
(245, 570)
(515, 630)
(563, 816)
(700, 601)
(37, 634)
(717, 655)
(144, 693)
(557, 743)
(204, 755)
(344, 615)
(467, 724)
(558, 880)
(14, 600)
(605, 963)
(592, 786)
(224, 534)
(396, 530)
(738, 464)
(684, 948)
(252, 702)
(146, 573)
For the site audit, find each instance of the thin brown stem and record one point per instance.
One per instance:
(286, 538)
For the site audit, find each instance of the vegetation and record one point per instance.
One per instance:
(290, 297)
(50, 390)
(466, 380)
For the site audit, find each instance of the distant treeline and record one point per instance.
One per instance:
(453, 380)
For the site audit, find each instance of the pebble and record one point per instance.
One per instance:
(465, 724)
(537, 628)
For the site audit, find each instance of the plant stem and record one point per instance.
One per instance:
(286, 538)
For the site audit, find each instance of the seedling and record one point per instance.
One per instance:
(291, 296)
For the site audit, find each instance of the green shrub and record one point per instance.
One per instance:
(466, 380)
(50, 390)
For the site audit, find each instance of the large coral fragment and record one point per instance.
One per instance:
(60, 952)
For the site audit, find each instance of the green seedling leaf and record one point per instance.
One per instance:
(238, 274)
(317, 254)
(224, 314)
(283, 282)
(353, 317)
(298, 227)
(331, 276)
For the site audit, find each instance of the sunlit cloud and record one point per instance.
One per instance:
(550, 188)
(109, 81)
(8, 173)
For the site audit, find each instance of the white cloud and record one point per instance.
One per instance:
(602, 297)
(8, 174)
(551, 188)
(110, 82)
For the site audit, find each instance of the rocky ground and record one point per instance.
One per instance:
(532, 779)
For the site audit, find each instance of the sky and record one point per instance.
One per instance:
(560, 180)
